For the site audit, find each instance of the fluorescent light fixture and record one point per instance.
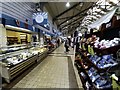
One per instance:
(67, 4)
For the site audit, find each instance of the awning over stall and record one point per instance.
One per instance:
(106, 18)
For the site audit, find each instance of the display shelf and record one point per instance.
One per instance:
(93, 64)
(82, 71)
(104, 66)
(85, 59)
(111, 50)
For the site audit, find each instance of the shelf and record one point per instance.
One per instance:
(82, 71)
(84, 60)
(111, 50)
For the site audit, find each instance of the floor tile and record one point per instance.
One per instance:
(52, 72)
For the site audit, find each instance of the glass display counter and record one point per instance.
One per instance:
(18, 60)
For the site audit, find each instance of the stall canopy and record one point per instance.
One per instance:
(106, 18)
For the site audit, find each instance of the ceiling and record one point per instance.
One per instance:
(79, 14)
(68, 18)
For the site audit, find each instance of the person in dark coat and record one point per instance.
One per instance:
(58, 42)
(66, 45)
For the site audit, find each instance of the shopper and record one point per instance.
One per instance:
(67, 45)
(58, 42)
(69, 41)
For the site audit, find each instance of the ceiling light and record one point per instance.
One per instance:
(67, 4)
(81, 4)
(38, 9)
(67, 21)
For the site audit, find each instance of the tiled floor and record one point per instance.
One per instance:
(55, 71)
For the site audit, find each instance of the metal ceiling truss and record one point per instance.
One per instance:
(77, 9)
(63, 18)
(55, 18)
(74, 16)
(72, 22)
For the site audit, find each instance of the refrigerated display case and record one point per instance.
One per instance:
(16, 59)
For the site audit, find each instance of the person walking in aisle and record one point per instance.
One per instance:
(58, 42)
(67, 45)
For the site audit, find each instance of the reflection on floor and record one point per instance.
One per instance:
(55, 71)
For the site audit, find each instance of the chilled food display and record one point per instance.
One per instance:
(13, 48)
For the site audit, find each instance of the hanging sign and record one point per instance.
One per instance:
(40, 18)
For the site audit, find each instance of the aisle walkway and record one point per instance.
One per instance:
(55, 71)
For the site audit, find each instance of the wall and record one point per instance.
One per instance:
(50, 20)
(22, 11)
(18, 10)
(3, 39)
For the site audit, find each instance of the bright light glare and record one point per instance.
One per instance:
(67, 4)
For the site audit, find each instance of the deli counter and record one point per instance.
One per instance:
(15, 59)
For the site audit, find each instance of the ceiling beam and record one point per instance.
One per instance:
(74, 24)
(72, 29)
(55, 18)
(63, 18)
(71, 22)
(75, 15)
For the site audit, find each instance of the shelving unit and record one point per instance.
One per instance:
(84, 64)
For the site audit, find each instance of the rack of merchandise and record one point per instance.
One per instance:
(15, 59)
(96, 59)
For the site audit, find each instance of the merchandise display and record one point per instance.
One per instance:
(95, 59)
(102, 83)
(100, 58)
(106, 43)
(17, 58)
(104, 61)
(99, 81)
(13, 48)
(93, 74)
